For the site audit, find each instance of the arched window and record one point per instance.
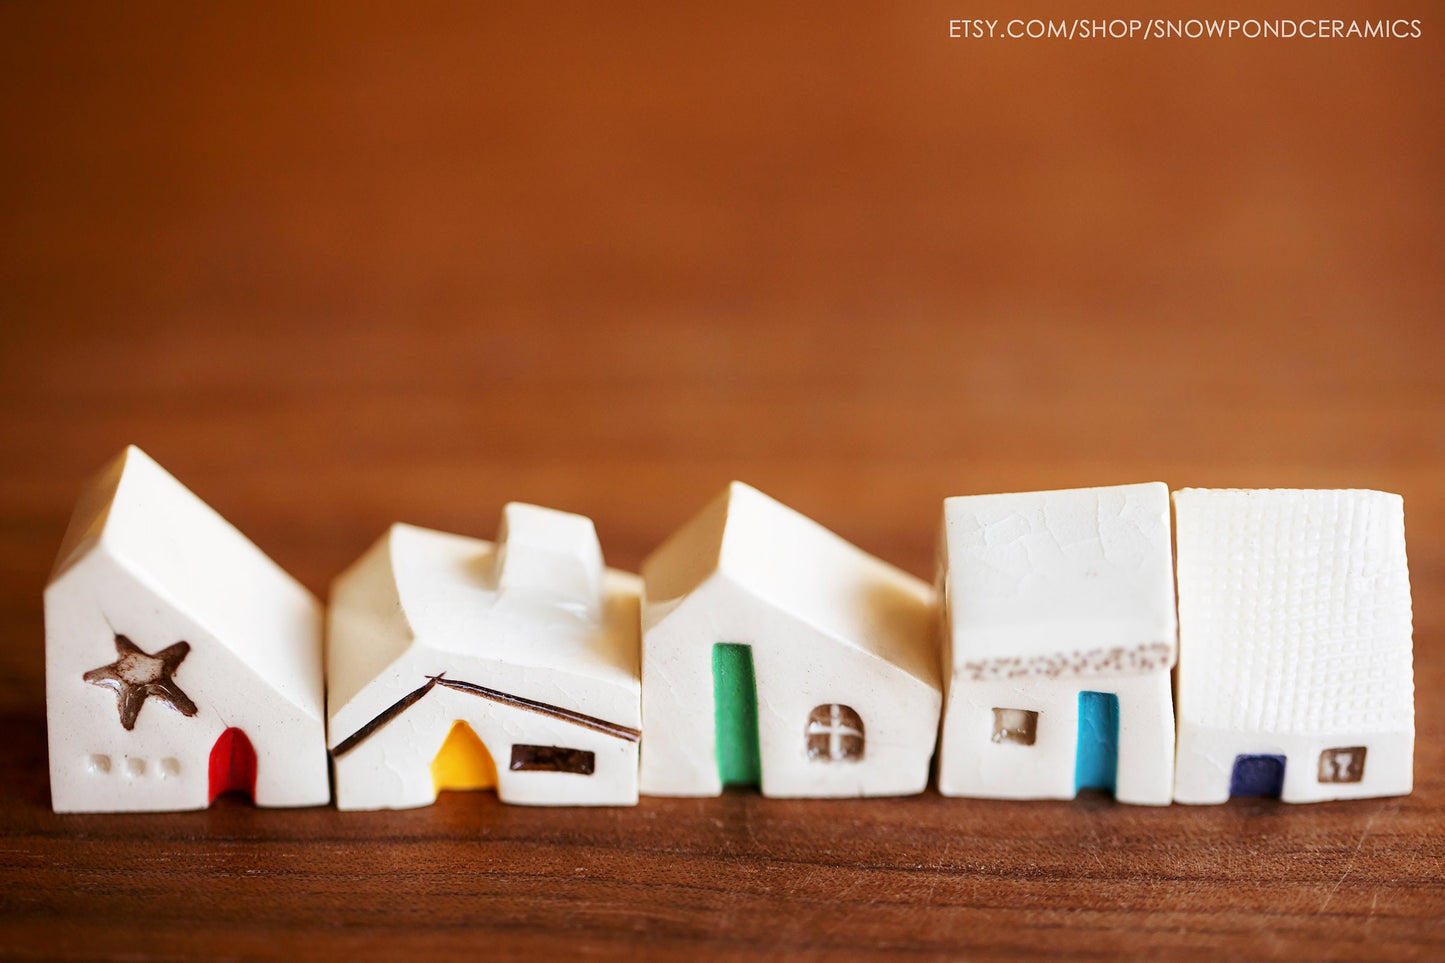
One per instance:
(834, 733)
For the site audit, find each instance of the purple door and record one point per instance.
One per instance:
(1257, 776)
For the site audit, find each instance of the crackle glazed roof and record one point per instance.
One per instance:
(791, 562)
(1294, 611)
(199, 563)
(1071, 582)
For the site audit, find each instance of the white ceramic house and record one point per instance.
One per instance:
(180, 661)
(775, 653)
(1295, 666)
(454, 663)
(1059, 636)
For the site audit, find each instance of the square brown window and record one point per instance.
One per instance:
(1342, 765)
(1018, 726)
(835, 733)
(552, 759)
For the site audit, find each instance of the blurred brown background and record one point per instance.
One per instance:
(340, 265)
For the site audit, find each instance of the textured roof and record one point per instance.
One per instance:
(1078, 582)
(793, 563)
(1294, 611)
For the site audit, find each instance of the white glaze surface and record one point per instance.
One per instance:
(1047, 594)
(147, 559)
(422, 603)
(1037, 578)
(828, 624)
(1295, 636)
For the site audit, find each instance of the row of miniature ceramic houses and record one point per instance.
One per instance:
(757, 648)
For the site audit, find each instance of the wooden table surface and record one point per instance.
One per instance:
(336, 266)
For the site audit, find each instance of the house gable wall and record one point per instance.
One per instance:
(162, 763)
(798, 667)
(390, 767)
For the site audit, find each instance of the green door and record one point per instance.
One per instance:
(735, 695)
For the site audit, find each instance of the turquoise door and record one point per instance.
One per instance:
(1097, 764)
(735, 697)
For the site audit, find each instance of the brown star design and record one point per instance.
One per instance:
(135, 676)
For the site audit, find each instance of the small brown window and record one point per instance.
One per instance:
(1018, 726)
(1342, 765)
(834, 733)
(552, 759)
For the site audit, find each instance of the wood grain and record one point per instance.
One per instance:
(339, 265)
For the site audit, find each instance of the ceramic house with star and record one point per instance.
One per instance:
(1059, 636)
(1296, 668)
(180, 661)
(461, 664)
(776, 654)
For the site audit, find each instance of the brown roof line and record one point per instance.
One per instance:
(495, 695)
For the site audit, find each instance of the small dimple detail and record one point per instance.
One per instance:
(1294, 611)
(1117, 660)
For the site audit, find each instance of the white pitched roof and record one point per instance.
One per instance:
(1294, 611)
(197, 561)
(452, 593)
(1079, 581)
(800, 567)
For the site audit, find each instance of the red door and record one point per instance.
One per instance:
(233, 764)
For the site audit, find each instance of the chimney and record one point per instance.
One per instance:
(551, 553)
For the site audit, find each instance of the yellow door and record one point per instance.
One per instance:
(463, 761)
